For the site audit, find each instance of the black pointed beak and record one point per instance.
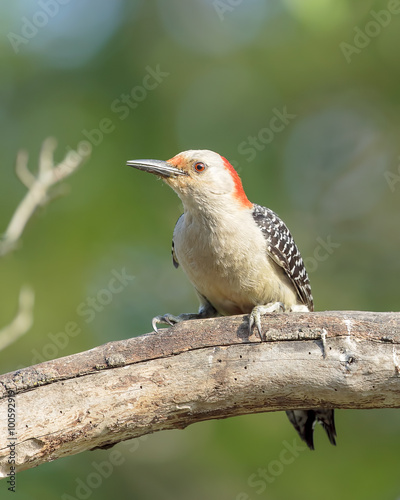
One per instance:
(158, 167)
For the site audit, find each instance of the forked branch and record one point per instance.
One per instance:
(38, 186)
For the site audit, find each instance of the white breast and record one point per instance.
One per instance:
(227, 262)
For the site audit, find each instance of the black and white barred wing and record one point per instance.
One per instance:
(283, 250)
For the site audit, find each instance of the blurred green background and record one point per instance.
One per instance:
(171, 76)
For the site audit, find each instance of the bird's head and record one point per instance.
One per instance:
(198, 176)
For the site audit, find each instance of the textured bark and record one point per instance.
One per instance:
(199, 370)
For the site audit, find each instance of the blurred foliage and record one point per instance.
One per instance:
(148, 79)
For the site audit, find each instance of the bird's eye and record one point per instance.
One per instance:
(199, 166)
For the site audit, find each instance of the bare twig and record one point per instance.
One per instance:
(22, 321)
(38, 188)
(38, 194)
(200, 370)
(21, 169)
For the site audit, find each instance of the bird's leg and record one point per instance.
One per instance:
(255, 315)
(206, 311)
(272, 307)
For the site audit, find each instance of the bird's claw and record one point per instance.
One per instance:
(165, 319)
(255, 316)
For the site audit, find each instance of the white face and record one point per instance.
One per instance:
(207, 174)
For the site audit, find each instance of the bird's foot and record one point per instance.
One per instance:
(165, 319)
(171, 320)
(255, 315)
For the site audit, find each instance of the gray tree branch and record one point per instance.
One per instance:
(22, 321)
(199, 370)
(38, 186)
(38, 194)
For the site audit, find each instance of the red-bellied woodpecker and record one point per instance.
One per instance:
(239, 256)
